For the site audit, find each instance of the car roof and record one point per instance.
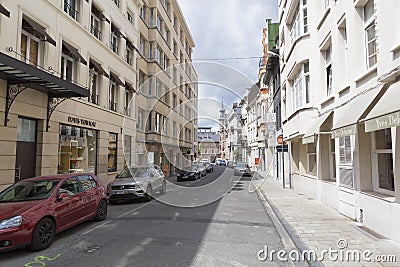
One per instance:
(55, 176)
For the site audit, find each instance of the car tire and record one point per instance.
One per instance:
(163, 189)
(149, 193)
(43, 234)
(101, 213)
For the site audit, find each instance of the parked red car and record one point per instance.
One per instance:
(34, 210)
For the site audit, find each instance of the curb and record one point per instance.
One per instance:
(289, 237)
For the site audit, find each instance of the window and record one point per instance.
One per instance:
(112, 94)
(130, 17)
(301, 87)
(159, 55)
(143, 11)
(311, 159)
(142, 79)
(159, 88)
(174, 100)
(383, 161)
(114, 39)
(129, 52)
(68, 65)
(128, 97)
(87, 182)
(174, 130)
(112, 152)
(151, 23)
(164, 125)
(157, 125)
(345, 161)
(166, 34)
(127, 150)
(95, 23)
(332, 159)
(328, 70)
(300, 21)
(94, 85)
(30, 48)
(70, 186)
(140, 120)
(370, 33)
(142, 47)
(116, 2)
(71, 8)
(151, 51)
(159, 22)
(165, 62)
(77, 153)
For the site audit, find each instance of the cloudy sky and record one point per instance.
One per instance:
(225, 29)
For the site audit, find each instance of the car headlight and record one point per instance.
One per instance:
(11, 222)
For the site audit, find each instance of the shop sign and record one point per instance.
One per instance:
(81, 121)
(345, 131)
(383, 122)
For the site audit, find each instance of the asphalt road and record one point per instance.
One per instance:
(226, 232)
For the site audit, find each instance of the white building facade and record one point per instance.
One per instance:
(339, 81)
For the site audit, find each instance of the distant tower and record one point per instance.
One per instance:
(222, 131)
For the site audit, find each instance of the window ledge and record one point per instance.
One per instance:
(381, 196)
(327, 101)
(327, 11)
(369, 72)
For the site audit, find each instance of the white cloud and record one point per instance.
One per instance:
(227, 29)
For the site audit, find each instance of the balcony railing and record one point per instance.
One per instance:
(95, 99)
(95, 31)
(113, 106)
(70, 10)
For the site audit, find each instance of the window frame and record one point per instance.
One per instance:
(309, 155)
(26, 58)
(346, 165)
(369, 23)
(301, 87)
(114, 155)
(375, 163)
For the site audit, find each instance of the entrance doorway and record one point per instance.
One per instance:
(25, 163)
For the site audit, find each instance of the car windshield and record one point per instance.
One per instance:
(194, 168)
(134, 172)
(241, 165)
(28, 190)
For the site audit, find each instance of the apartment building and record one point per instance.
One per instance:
(234, 141)
(208, 143)
(67, 75)
(167, 82)
(339, 85)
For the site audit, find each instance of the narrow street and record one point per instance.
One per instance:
(228, 232)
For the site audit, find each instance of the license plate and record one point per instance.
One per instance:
(121, 192)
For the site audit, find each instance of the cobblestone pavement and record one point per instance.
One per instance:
(315, 226)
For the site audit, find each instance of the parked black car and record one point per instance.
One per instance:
(189, 173)
(209, 167)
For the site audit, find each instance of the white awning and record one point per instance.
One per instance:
(355, 110)
(386, 113)
(309, 136)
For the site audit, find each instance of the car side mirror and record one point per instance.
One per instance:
(61, 196)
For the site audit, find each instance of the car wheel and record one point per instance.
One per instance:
(101, 212)
(149, 193)
(163, 188)
(43, 234)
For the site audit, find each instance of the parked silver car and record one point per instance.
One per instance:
(136, 182)
(242, 168)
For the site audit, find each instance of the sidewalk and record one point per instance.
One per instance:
(314, 226)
